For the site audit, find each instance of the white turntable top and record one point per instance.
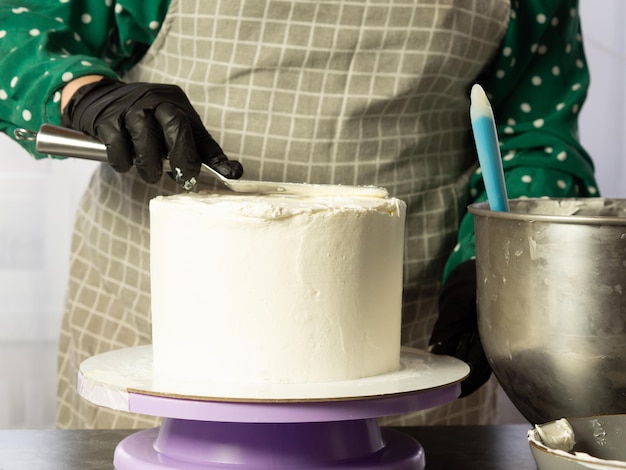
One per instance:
(107, 379)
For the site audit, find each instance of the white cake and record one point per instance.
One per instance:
(275, 289)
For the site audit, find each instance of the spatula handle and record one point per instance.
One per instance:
(64, 142)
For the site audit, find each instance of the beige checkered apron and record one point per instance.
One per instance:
(359, 92)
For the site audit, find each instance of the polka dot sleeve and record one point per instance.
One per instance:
(536, 85)
(46, 43)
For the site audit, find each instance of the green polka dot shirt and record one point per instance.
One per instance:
(536, 83)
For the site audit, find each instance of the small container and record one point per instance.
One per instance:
(600, 445)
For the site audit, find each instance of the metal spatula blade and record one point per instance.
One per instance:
(64, 142)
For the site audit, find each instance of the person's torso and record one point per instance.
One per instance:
(361, 92)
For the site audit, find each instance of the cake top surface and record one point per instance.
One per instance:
(273, 206)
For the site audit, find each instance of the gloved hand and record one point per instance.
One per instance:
(456, 330)
(142, 123)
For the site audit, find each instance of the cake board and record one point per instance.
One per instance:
(212, 425)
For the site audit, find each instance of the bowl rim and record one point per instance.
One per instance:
(536, 444)
(607, 464)
(482, 210)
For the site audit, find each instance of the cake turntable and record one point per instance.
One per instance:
(235, 426)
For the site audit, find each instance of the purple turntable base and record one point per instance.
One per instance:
(194, 445)
(334, 427)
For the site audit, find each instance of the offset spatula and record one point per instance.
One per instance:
(64, 142)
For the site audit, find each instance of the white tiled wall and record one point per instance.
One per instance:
(37, 202)
(603, 118)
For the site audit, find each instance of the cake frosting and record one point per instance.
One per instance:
(275, 289)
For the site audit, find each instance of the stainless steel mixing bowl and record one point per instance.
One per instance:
(552, 304)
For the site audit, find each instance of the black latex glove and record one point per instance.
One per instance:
(143, 123)
(456, 330)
